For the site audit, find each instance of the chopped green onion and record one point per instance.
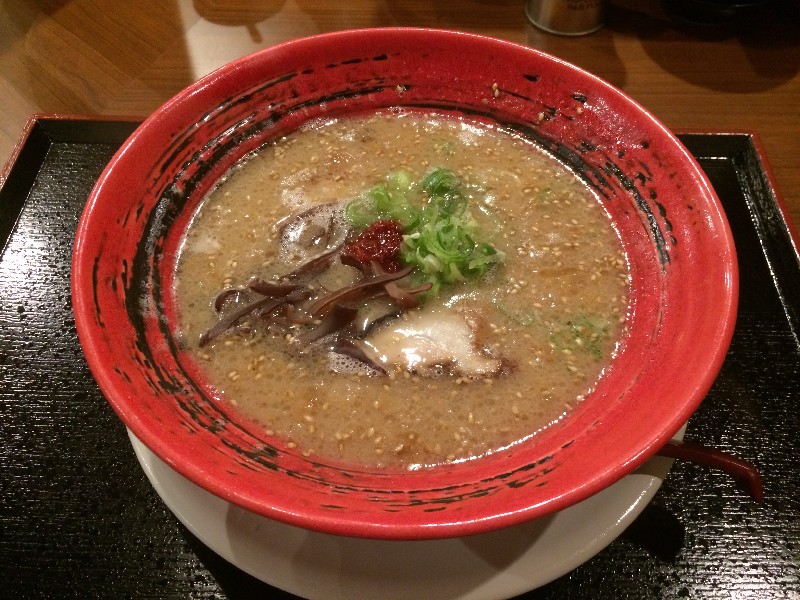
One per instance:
(582, 333)
(441, 237)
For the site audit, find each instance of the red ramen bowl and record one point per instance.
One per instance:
(682, 265)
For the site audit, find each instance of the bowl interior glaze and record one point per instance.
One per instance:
(682, 302)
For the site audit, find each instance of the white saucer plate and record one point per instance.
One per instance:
(489, 566)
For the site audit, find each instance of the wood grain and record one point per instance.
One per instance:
(101, 57)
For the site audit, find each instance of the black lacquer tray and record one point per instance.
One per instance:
(79, 519)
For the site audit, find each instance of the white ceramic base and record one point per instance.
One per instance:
(487, 566)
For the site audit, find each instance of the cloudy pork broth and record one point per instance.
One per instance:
(401, 289)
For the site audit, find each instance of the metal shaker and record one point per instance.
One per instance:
(566, 17)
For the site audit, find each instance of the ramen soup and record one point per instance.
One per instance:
(401, 289)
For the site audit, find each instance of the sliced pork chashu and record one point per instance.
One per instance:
(432, 341)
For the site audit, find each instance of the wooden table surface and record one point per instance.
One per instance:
(102, 57)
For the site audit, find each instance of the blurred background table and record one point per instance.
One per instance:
(105, 533)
